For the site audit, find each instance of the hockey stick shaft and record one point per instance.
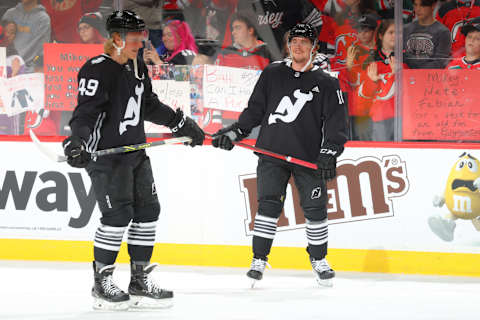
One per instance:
(123, 149)
(290, 159)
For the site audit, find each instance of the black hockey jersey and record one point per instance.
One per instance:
(298, 112)
(113, 102)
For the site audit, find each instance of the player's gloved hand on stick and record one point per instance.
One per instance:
(74, 149)
(182, 126)
(223, 138)
(327, 161)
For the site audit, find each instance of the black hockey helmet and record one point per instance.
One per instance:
(124, 21)
(304, 30)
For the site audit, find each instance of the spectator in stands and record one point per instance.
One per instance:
(426, 42)
(179, 42)
(379, 86)
(247, 50)
(471, 60)
(275, 18)
(454, 14)
(151, 12)
(359, 55)
(64, 14)
(33, 29)
(15, 63)
(91, 28)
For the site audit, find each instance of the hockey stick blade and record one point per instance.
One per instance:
(123, 149)
(46, 150)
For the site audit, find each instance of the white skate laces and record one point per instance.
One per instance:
(259, 265)
(321, 265)
(109, 286)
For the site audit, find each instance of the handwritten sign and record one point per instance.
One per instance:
(61, 65)
(22, 93)
(175, 94)
(441, 105)
(228, 88)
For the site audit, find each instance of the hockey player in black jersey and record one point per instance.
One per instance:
(301, 111)
(114, 98)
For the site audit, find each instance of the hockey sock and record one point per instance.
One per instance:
(264, 230)
(107, 243)
(317, 236)
(141, 239)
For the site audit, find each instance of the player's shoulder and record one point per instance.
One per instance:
(97, 64)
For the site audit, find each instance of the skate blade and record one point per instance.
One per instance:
(100, 304)
(146, 303)
(325, 282)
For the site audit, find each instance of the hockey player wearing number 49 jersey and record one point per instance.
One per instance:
(301, 111)
(114, 98)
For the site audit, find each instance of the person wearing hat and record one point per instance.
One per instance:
(91, 29)
(114, 98)
(471, 59)
(302, 113)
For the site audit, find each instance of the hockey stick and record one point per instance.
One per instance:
(290, 159)
(123, 149)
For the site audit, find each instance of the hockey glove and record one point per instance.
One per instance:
(74, 149)
(182, 126)
(223, 138)
(327, 161)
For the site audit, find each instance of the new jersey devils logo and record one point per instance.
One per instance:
(287, 111)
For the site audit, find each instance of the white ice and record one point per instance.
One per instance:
(53, 290)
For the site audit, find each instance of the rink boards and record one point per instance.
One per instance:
(378, 208)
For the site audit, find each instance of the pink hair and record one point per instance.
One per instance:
(183, 37)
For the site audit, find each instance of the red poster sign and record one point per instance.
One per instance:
(61, 65)
(441, 105)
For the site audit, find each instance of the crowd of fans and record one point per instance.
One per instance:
(357, 36)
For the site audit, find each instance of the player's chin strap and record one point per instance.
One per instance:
(119, 49)
(135, 69)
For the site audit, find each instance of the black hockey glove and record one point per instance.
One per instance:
(182, 126)
(223, 138)
(327, 161)
(74, 149)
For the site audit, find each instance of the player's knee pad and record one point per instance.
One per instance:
(118, 218)
(315, 213)
(147, 213)
(271, 206)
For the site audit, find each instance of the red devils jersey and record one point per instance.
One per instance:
(382, 91)
(453, 14)
(461, 63)
(256, 58)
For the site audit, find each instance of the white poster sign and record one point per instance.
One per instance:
(175, 94)
(23, 93)
(228, 88)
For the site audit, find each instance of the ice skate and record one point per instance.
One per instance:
(323, 273)
(442, 227)
(144, 292)
(106, 294)
(256, 270)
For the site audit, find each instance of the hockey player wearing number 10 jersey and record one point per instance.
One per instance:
(114, 98)
(301, 111)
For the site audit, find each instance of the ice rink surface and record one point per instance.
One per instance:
(53, 290)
